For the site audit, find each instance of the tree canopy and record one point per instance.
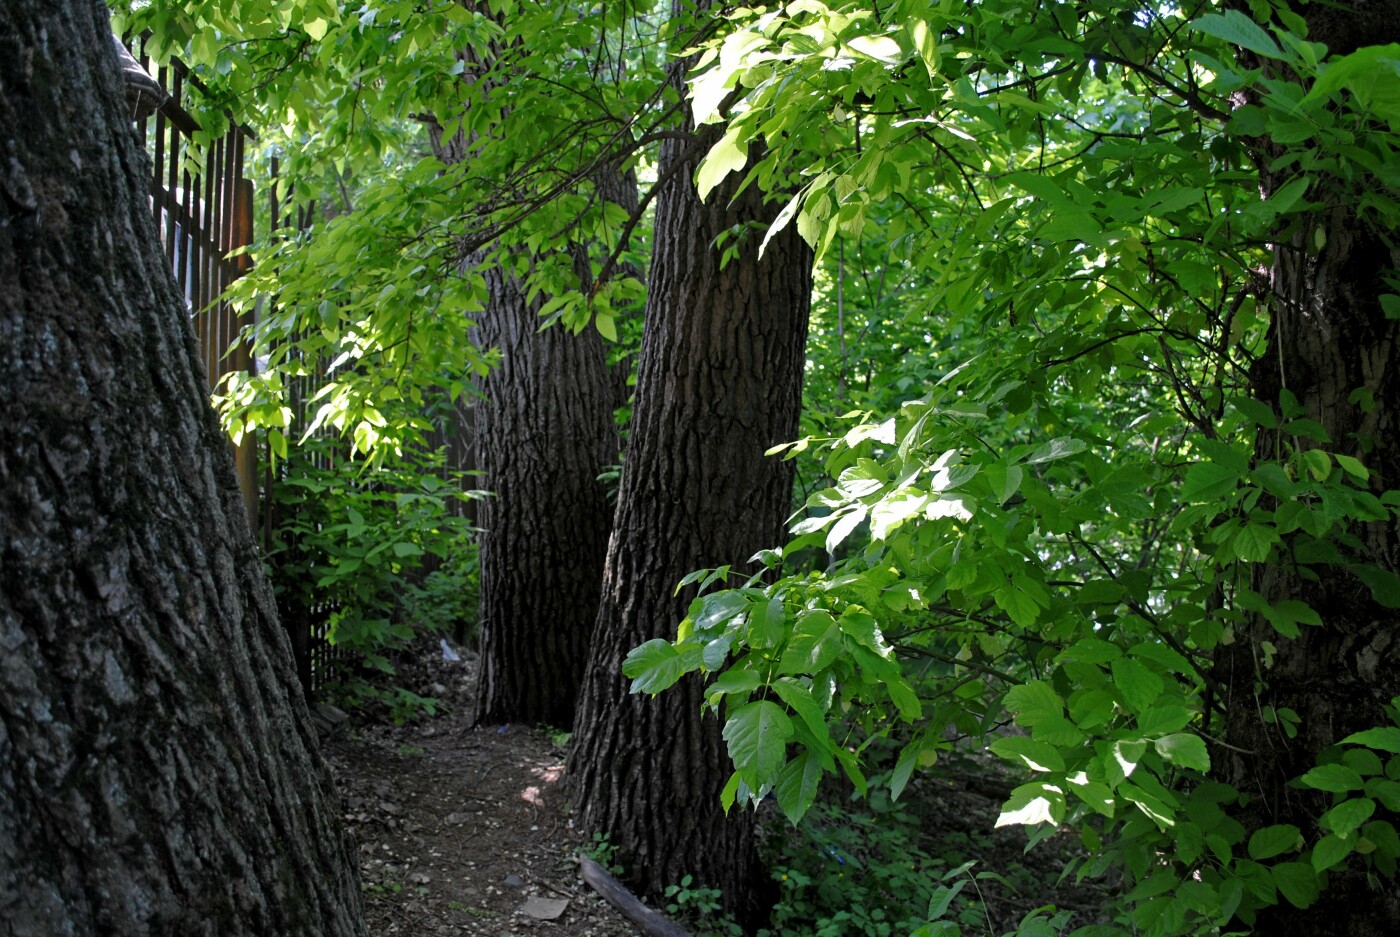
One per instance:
(1100, 428)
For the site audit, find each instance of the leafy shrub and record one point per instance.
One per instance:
(353, 539)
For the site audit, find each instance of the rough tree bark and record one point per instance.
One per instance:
(719, 382)
(158, 770)
(544, 433)
(1328, 336)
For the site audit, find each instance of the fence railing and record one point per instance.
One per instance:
(203, 208)
(203, 205)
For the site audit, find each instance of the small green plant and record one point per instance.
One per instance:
(382, 889)
(354, 538)
(603, 852)
(352, 691)
(700, 908)
(858, 870)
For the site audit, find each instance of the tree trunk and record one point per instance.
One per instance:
(544, 433)
(719, 382)
(1328, 337)
(158, 770)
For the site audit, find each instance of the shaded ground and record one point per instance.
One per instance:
(467, 831)
(463, 830)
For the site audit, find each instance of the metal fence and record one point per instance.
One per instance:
(203, 205)
(203, 208)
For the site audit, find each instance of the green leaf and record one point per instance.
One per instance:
(1020, 606)
(886, 671)
(1256, 411)
(731, 790)
(800, 699)
(842, 528)
(1383, 738)
(1004, 479)
(1296, 882)
(1184, 749)
(889, 513)
(1031, 804)
(1352, 467)
(1335, 778)
(757, 735)
(1149, 803)
(1274, 840)
(1162, 720)
(1254, 542)
(1345, 818)
(1361, 65)
(1034, 702)
(1319, 463)
(1207, 481)
(779, 223)
(1092, 651)
(607, 326)
(904, 767)
(815, 643)
(1329, 851)
(1091, 708)
(1384, 585)
(1097, 795)
(726, 156)
(1234, 26)
(735, 681)
(1037, 756)
(657, 664)
(1057, 448)
(796, 787)
(926, 42)
(881, 48)
(1139, 685)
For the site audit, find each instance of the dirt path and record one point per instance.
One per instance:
(463, 831)
(466, 830)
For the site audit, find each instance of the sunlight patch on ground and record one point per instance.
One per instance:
(549, 774)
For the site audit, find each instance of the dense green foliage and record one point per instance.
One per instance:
(1061, 527)
(1040, 487)
(381, 556)
(374, 296)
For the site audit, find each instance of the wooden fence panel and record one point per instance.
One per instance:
(203, 208)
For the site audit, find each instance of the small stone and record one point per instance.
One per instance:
(457, 819)
(420, 878)
(390, 807)
(329, 719)
(514, 881)
(544, 909)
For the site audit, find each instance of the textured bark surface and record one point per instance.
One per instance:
(158, 771)
(544, 433)
(719, 381)
(1328, 337)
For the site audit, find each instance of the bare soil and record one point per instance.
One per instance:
(463, 830)
(466, 830)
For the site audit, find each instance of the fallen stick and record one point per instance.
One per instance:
(612, 891)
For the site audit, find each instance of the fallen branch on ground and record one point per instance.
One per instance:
(651, 923)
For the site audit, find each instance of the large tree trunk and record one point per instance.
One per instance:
(1328, 337)
(544, 434)
(158, 770)
(719, 382)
